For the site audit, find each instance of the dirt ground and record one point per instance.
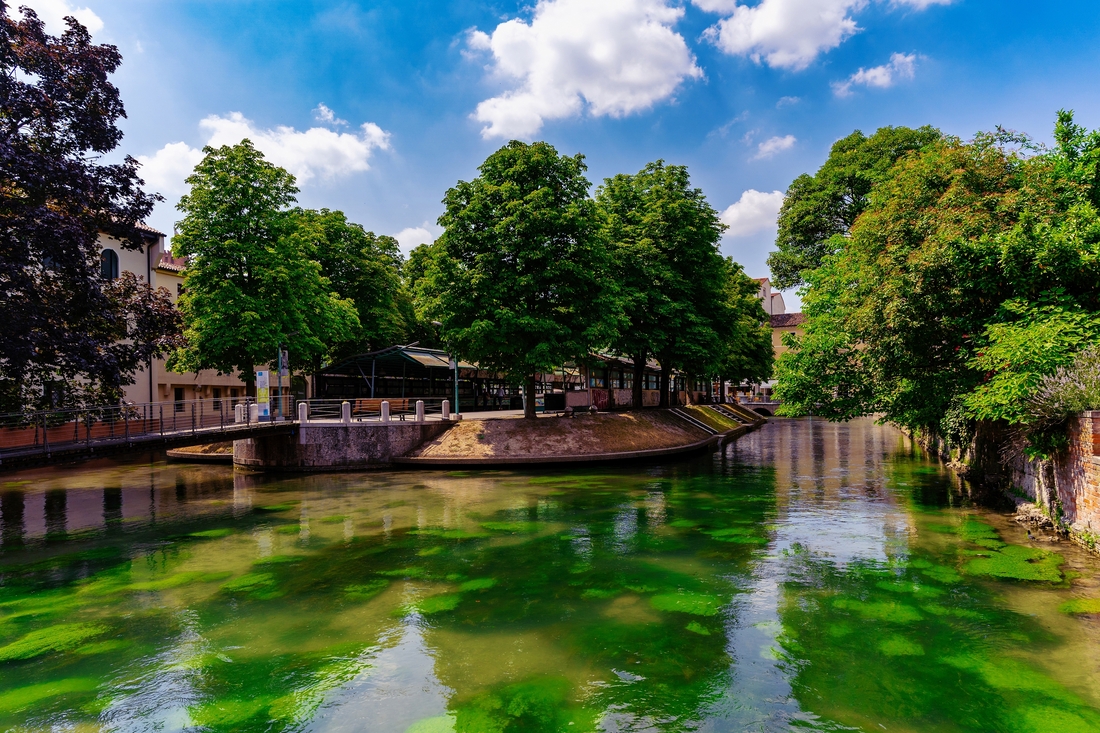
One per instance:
(560, 436)
(209, 449)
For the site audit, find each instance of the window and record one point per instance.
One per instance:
(651, 381)
(596, 379)
(108, 264)
(179, 399)
(628, 380)
(179, 289)
(217, 397)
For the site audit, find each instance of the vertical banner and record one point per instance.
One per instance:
(263, 393)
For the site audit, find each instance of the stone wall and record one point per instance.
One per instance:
(1067, 487)
(335, 446)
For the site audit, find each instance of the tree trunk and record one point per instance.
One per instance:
(721, 390)
(529, 397)
(639, 379)
(249, 383)
(664, 382)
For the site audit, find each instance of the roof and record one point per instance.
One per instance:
(172, 264)
(787, 320)
(429, 358)
(760, 279)
(142, 226)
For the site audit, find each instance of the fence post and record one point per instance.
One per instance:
(446, 410)
(345, 411)
(420, 410)
(303, 412)
(45, 435)
(385, 410)
(126, 424)
(253, 413)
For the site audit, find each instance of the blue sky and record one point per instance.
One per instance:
(380, 107)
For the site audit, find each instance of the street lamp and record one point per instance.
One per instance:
(454, 365)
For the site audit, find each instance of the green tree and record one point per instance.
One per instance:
(819, 210)
(746, 335)
(664, 241)
(971, 274)
(61, 321)
(519, 276)
(365, 269)
(252, 278)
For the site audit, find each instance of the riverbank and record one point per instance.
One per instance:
(585, 438)
(208, 453)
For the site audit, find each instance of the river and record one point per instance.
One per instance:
(812, 576)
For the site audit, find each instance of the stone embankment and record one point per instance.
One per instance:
(1062, 493)
(585, 438)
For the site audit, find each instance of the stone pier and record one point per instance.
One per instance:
(335, 446)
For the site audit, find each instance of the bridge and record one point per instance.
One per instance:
(43, 437)
(762, 406)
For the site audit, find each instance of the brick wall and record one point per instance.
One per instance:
(1068, 486)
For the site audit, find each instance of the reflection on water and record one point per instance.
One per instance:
(812, 576)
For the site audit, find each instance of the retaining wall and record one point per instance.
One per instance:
(335, 446)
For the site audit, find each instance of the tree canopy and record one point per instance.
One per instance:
(253, 280)
(679, 303)
(62, 322)
(516, 278)
(819, 210)
(970, 273)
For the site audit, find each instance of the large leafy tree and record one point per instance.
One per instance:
(519, 277)
(673, 282)
(252, 280)
(58, 118)
(819, 210)
(365, 269)
(746, 335)
(971, 273)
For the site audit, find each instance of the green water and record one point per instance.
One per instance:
(811, 577)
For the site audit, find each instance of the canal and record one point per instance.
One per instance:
(812, 576)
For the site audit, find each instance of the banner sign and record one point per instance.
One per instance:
(263, 393)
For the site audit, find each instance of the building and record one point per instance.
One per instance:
(782, 324)
(771, 299)
(156, 266)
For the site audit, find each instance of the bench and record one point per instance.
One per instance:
(399, 406)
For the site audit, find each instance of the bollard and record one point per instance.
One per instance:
(345, 411)
(420, 410)
(446, 409)
(238, 413)
(385, 410)
(303, 412)
(253, 413)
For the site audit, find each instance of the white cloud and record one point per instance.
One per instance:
(53, 12)
(326, 115)
(754, 211)
(613, 57)
(165, 170)
(787, 102)
(785, 34)
(316, 152)
(411, 237)
(922, 4)
(901, 66)
(774, 145)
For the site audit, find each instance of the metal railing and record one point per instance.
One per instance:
(370, 409)
(46, 430)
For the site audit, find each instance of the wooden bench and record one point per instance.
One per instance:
(399, 406)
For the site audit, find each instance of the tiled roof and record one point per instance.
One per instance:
(787, 320)
(172, 264)
(142, 226)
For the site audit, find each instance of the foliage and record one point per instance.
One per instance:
(363, 268)
(819, 210)
(58, 118)
(681, 301)
(1069, 390)
(970, 274)
(517, 276)
(252, 278)
(1039, 338)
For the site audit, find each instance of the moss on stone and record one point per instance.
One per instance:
(1018, 563)
(698, 604)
